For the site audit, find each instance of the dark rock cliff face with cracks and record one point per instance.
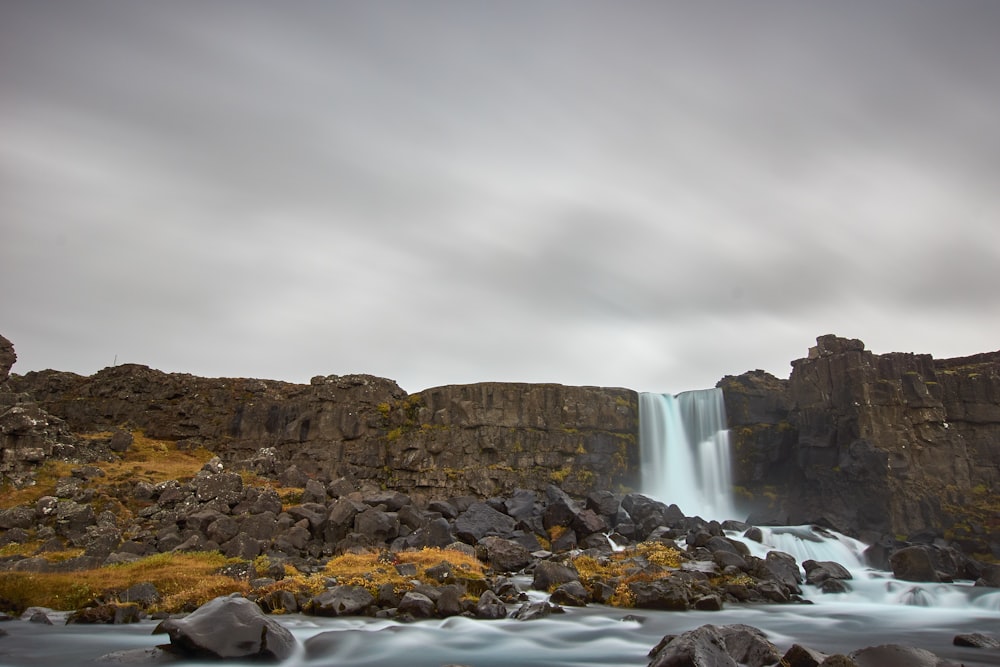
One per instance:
(899, 444)
(482, 439)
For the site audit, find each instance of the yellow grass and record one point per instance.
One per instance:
(372, 570)
(148, 460)
(184, 580)
(645, 561)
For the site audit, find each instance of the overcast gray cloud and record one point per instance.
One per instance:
(649, 195)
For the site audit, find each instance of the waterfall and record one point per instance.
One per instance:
(684, 443)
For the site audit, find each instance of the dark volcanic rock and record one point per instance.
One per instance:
(490, 607)
(341, 601)
(7, 358)
(229, 628)
(887, 444)
(481, 520)
(976, 640)
(503, 555)
(913, 564)
(701, 647)
(895, 655)
(548, 574)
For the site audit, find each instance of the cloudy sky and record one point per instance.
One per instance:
(643, 194)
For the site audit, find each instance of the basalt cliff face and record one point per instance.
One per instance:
(897, 444)
(482, 439)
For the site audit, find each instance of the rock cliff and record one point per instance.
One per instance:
(481, 439)
(898, 444)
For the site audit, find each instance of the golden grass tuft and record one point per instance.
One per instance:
(372, 570)
(646, 561)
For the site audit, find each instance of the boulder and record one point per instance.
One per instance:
(782, 568)
(417, 605)
(503, 555)
(802, 656)
(661, 594)
(701, 647)
(229, 628)
(818, 572)
(549, 574)
(106, 614)
(490, 607)
(570, 594)
(896, 655)
(341, 601)
(976, 640)
(531, 611)
(749, 646)
(481, 520)
(913, 564)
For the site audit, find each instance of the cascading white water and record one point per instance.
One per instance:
(684, 442)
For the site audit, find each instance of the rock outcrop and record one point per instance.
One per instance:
(485, 439)
(894, 444)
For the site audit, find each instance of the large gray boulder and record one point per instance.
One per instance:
(228, 628)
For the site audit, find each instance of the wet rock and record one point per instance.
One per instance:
(708, 603)
(416, 605)
(782, 568)
(549, 574)
(531, 611)
(449, 602)
(749, 646)
(913, 564)
(570, 594)
(229, 628)
(661, 594)
(701, 647)
(490, 607)
(802, 656)
(106, 614)
(818, 572)
(976, 640)
(896, 655)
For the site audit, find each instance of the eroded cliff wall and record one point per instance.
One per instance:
(882, 444)
(480, 439)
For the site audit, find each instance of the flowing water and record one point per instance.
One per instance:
(694, 474)
(684, 443)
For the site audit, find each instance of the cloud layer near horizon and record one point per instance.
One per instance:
(649, 195)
